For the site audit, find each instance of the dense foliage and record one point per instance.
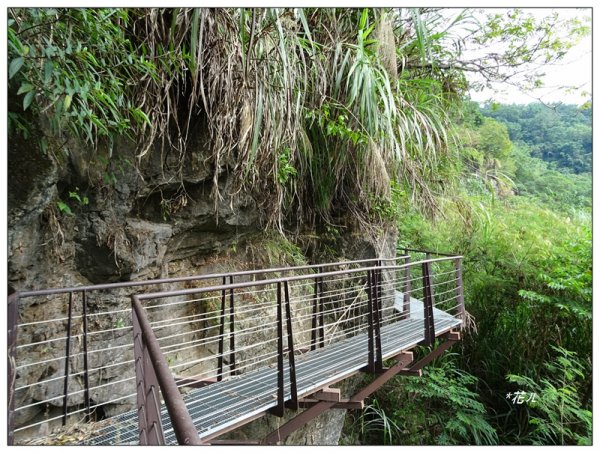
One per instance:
(557, 133)
(528, 277)
(298, 104)
(331, 116)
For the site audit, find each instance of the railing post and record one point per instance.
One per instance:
(460, 295)
(429, 335)
(278, 410)
(232, 367)
(221, 335)
(86, 377)
(152, 391)
(321, 311)
(139, 357)
(293, 403)
(67, 358)
(407, 288)
(371, 339)
(377, 318)
(149, 422)
(12, 326)
(317, 333)
(160, 377)
(231, 335)
(314, 321)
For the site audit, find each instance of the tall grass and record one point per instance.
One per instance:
(261, 80)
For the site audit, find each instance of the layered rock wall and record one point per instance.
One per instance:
(137, 220)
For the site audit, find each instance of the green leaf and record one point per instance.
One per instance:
(25, 88)
(64, 207)
(48, 68)
(75, 195)
(363, 18)
(174, 15)
(28, 99)
(194, 42)
(67, 101)
(14, 66)
(44, 145)
(257, 125)
(139, 116)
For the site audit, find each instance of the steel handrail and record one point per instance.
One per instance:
(188, 291)
(429, 252)
(184, 428)
(381, 265)
(104, 286)
(181, 419)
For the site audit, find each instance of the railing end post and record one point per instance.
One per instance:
(428, 322)
(12, 326)
(460, 294)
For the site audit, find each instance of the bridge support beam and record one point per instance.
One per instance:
(328, 394)
(356, 402)
(403, 360)
(450, 337)
(317, 406)
(342, 404)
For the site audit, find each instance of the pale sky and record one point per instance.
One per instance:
(576, 70)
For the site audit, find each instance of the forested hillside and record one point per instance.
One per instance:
(556, 133)
(525, 231)
(152, 142)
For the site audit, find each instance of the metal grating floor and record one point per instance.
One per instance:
(221, 405)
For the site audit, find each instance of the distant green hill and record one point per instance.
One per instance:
(557, 133)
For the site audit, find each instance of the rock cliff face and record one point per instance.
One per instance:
(79, 216)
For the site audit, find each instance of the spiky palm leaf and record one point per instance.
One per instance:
(309, 85)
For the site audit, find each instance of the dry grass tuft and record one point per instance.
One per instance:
(76, 434)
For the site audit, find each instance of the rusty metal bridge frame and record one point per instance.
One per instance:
(212, 353)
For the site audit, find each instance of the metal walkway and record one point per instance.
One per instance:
(222, 405)
(199, 356)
